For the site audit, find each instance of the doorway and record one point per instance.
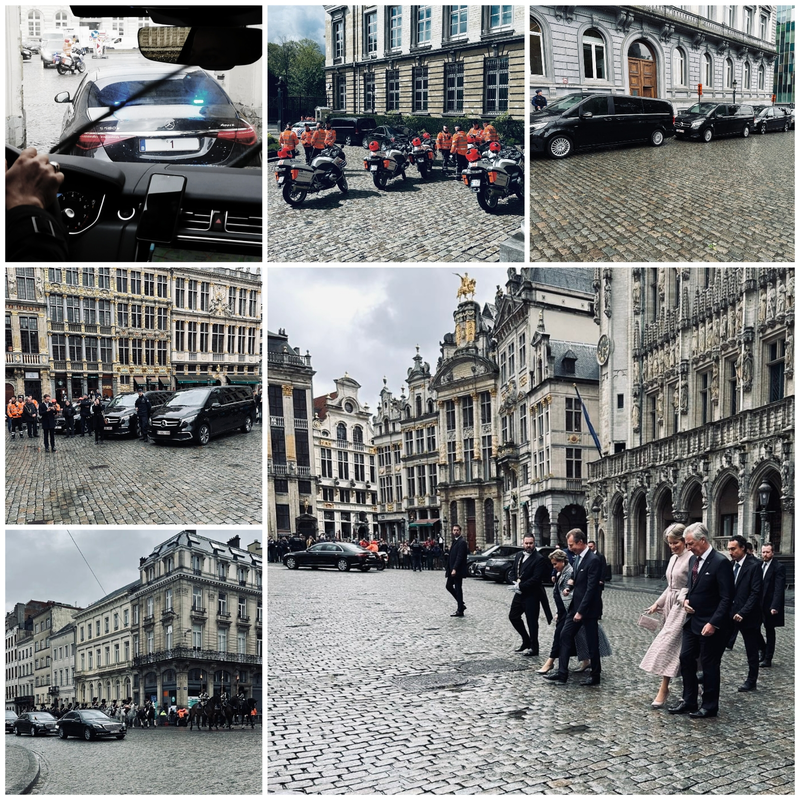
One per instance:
(642, 70)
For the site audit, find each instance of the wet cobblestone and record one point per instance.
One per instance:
(342, 720)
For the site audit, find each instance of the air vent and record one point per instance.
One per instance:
(243, 223)
(196, 220)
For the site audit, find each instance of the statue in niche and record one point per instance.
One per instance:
(762, 305)
(781, 298)
(770, 301)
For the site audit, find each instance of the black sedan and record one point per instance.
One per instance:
(11, 718)
(341, 555)
(477, 561)
(498, 568)
(770, 118)
(90, 724)
(35, 723)
(189, 119)
(387, 133)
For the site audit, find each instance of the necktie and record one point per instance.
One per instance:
(576, 564)
(735, 572)
(764, 568)
(695, 570)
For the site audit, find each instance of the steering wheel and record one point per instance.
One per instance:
(12, 154)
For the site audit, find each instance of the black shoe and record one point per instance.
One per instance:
(747, 687)
(458, 614)
(555, 677)
(54, 449)
(46, 450)
(699, 677)
(522, 648)
(765, 662)
(702, 713)
(531, 653)
(593, 681)
(682, 708)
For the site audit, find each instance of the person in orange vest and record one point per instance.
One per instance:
(14, 411)
(330, 135)
(476, 129)
(443, 141)
(489, 133)
(373, 546)
(318, 140)
(289, 139)
(459, 147)
(305, 140)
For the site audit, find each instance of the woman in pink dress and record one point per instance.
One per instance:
(663, 655)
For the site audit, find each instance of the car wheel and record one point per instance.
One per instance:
(87, 734)
(292, 563)
(487, 201)
(559, 147)
(746, 131)
(204, 434)
(17, 731)
(294, 195)
(33, 732)
(248, 424)
(763, 129)
(62, 734)
(348, 140)
(707, 135)
(365, 142)
(785, 127)
(365, 568)
(342, 565)
(657, 138)
(380, 567)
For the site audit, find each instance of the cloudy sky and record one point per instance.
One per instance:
(44, 564)
(368, 321)
(296, 22)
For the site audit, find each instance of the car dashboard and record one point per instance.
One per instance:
(220, 216)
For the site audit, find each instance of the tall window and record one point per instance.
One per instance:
(395, 26)
(495, 74)
(454, 88)
(764, 27)
(776, 366)
(679, 68)
(748, 21)
(369, 91)
(326, 462)
(371, 26)
(728, 73)
(26, 284)
(731, 19)
(708, 70)
(594, 55)
(179, 291)
(500, 16)
(29, 334)
(392, 90)
(450, 415)
(467, 411)
(573, 419)
(761, 78)
(420, 78)
(338, 40)
(458, 20)
(573, 462)
(486, 408)
(340, 90)
(424, 24)
(747, 74)
(536, 47)
(197, 598)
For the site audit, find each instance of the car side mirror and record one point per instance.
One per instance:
(215, 405)
(63, 97)
(587, 115)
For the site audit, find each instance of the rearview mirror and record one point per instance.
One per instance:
(209, 48)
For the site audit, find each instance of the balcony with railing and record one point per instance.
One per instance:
(288, 360)
(195, 654)
(199, 613)
(27, 359)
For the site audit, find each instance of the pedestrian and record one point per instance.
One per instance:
(405, 555)
(457, 569)
(664, 654)
(539, 101)
(30, 416)
(416, 555)
(330, 135)
(562, 597)
(85, 408)
(529, 570)
(458, 146)
(584, 611)
(288, 138)
(306, 139)
(97, 420)
(14, 409)
(318, 140)
(69, 419)
(489, 133)
(707, 626)
(49, 412)
(773, 593)
(143, 411)
(746, 607)
(476, 130)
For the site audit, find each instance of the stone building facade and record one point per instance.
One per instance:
(347, 504)
(425, 60)
(388, 442)
(45, 624)
(291, 477)
(696, 408)
(655, 51)
(62, 661)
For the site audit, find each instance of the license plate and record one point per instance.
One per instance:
(281, 180)
(678, 130)
(373, 168)
(163, 433)
(107, 428)
(474, 183)
(168, 145)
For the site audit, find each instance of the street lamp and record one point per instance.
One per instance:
(734, 92)
(764, 492)
(595, 515)
(496, 526)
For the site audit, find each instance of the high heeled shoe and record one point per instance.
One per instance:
(582, 667)
(654, 704)
(544, 671)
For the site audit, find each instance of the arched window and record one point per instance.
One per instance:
(61, 20)
(419, 405)
(761, 78)
(728, 73)
(594, 55)
(708, 70)
(453, 513)
(536, 48)
(341, 432)
(358, 435)
(34, 23)
(679, 68)
(430, 407)
(408, 412)
(747, 74)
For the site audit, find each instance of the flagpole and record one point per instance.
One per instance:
(588, 421)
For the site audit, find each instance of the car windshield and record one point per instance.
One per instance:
(191, 397)
(701, 108)
(94, 714)
(122, 401)
(42, 717)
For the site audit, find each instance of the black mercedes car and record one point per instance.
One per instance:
(120, 416)
(771, 118)
(11, 718)
(187, 120)
(341, 555)
(477, 561)
(35, 723)
(498, 568)
(89, 724)
(387, 133)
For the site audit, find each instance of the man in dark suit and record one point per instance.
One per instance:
(584, 610)
(530, 570)
(707, 627)
(746, 606)
(603, 570)
(457, 569)
(773, 592)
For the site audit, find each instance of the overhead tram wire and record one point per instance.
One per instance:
(87, 564)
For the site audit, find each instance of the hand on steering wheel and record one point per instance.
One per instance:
(33, 180)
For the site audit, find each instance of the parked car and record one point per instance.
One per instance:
(477, 561)
(350, 130)
(33, 46)
(341, 555)
(26, 54)
(89, 724)
(202, 412)
(187, 120)
(49, 49)
(387, 133)
(11, 718)
(498, 568)
(35, 723)
(770, 118)
(585, 120)
(121, 417)
(707, 121)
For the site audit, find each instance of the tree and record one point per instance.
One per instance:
(306, 73)
(279, 58)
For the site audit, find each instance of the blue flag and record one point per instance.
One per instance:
(588, 421)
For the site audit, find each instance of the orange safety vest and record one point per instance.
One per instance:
(444, 140)
(476, 132)
(288, 139)
(305, 138)
(459, 144)
(330, 137)
(318, 139)
(490, 134)
(14, 410)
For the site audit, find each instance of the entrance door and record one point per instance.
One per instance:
(9, 392)
(642, 71)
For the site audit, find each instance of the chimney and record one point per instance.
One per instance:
(234, 542)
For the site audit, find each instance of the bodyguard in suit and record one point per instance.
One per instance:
(708, 623)
(746, 606)
(773, 593)
(457, 569)
(530, 570)
(584, 611)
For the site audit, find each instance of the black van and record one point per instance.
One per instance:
(707, 121)
(202, 412)
(120, 417)
(350, 130)
(586, 120)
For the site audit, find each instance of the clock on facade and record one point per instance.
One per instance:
(603, 350)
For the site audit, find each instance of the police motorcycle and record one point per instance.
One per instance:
(495, 174)
(70, 64)
(298, 180)
(422, 155)
(388, 163)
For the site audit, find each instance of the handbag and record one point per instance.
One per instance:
(650, 622)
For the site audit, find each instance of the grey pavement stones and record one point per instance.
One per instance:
(129, 482)
(729, 200)
(22, 769)
(366, 698)
(413, 221)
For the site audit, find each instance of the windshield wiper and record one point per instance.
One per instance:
(72, 138)
(246, 156)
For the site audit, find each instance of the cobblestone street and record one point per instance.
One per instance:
(150, 761)
(415, 220)
(729, 200)
(375, 689)
(124, 482)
